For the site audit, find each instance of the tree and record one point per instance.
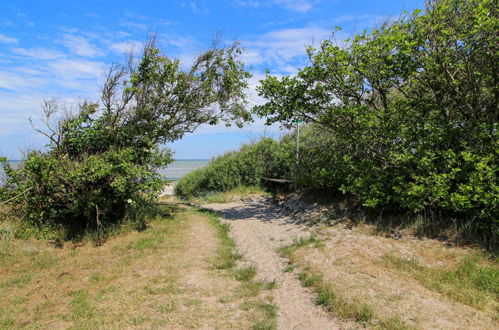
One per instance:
(410, 110)
(100, 164)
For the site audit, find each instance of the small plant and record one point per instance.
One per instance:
(287, 251)
(270, 285)
(308, 280)
(245, 274)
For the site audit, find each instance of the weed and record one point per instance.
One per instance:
(287, 251)
(308, 280)
(289, 269)
(244, 274)
(249, 289)
(270, 285)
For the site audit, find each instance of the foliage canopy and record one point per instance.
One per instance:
(100, 165)
(406, 115)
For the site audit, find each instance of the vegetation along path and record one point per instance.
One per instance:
(174, 274)
(259, 231)
(339, 276)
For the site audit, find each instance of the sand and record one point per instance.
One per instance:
(259, 231)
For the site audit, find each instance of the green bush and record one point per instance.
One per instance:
(100, 166)
(405, 116)
(246, 167)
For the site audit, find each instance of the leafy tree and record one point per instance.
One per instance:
(100, 165)
(410, 111)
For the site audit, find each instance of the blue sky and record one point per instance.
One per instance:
(62, 48)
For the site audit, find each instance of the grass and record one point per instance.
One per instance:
(234, 194)
(468, 282)
(287, 251)
(80, 306)
(245, 274)
(336, 303)
(226, 259)
(136, 279)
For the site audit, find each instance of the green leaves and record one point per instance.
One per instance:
(405, 116)
(101, 164)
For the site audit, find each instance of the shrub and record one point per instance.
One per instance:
(266, 158)
(100, 166)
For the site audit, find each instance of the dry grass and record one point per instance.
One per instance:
(234, 195)
(407, 283)
(161, 277)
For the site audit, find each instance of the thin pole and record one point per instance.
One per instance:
(297, 154)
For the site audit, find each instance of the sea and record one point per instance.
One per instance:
(174, 172)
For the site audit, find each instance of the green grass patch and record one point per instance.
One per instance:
(469, 282)
(20, 281)
(287, 251)
(308, 280)
(80, 306)
(394, 323)
(327, 297)
(249, 289)
(226, 257)
(244, 274)
(265, 325)
(270, 285)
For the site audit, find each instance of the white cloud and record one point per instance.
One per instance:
(279, 48)
(8, 40)
(296, 5)
(293, 5)
(77, 69)
(81, 46)
(125, 46)
(39, 53)
(16, 81)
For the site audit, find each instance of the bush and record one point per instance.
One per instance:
(405, 115)
(100, 166)
(246, 167)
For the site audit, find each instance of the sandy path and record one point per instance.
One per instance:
(168, 189)
(259, 230)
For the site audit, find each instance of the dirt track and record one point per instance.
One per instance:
(259, 230)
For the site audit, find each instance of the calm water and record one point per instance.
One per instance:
(179, 168)
(174, 171)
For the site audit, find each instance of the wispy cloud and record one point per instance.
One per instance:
(8, 40)
(293, 5)
(127, 46)
(39, 53)
(81, 46)
(280, 48)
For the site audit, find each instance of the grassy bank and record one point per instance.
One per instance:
(397, 283)
(179, 272)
